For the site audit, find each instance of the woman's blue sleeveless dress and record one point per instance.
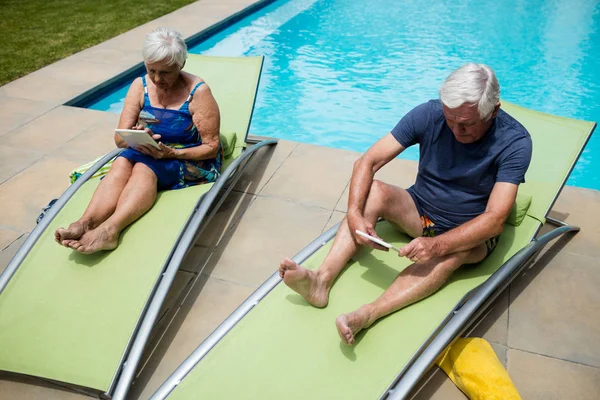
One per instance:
(177, 130)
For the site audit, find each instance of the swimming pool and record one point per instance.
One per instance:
(341, 73)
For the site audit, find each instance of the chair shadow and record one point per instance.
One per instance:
(484, 324)
(174, 316)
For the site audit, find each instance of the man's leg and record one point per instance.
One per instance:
(137, 197)
(390, 202)
(416, 282)
(103, 202)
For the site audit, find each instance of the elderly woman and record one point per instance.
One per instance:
(178, 110)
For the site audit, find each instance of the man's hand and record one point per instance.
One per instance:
(421, 250)
(358, 222)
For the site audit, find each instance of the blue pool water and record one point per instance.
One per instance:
(341, 73)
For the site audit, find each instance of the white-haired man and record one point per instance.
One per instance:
(473, 156)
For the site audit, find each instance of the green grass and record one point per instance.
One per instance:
(36, 33)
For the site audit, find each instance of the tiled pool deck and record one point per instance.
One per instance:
(545, 327)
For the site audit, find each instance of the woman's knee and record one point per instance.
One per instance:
(142, 171)
(121, 167)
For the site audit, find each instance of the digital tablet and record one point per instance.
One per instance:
(135, 138)
(378, 241)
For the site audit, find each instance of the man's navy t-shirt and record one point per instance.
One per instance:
(455, 179)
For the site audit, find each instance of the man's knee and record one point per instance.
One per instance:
(379, 190)
(474, 255)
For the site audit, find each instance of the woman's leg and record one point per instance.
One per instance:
(137, 197)
(103, 202)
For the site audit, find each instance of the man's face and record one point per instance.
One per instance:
(466, 124)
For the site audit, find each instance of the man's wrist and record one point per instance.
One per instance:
(354, 212)
(440, 245)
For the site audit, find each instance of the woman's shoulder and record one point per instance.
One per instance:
(193, 80)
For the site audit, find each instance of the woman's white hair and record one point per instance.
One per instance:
(164, 44)
(472, 84)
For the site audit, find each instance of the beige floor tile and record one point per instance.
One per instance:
(42, 88)
(342, 203)
(15, 112)
(179, 288)
(585, 242)
(9, 252)
(53, 129)
(76, 69)
(398, 172)
(14, 160)
(210, 302)
(438, 387)
(542, 378)
(270, 230)
(577, 205)
(552, 309)
(181, 285)
(501, 352)
(28, 192)
(92, 143)
(230, 212)
(312, 175)
(334, 218)
(263, 165)
(7, 236)
(14, 387)
(580, 207)
(100, 53)
(195, 260)
(494, 326)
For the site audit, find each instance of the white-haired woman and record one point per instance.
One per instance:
(178, 110)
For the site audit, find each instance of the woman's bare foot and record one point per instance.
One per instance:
(73, 232)
(305, 282)
(101, 238)
(348, 325)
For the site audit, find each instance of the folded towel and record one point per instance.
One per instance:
(473, 366)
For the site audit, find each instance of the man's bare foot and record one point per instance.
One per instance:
(348, 325)
(73, 232)
(305, 282)
(101, 238)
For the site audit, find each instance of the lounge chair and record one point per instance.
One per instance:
(84, 319)
(276, 346)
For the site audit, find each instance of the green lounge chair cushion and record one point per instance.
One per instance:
(69, 317)
(519, 209)
(283, 341)
(228, 140)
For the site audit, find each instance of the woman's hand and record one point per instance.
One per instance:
(153, 135)
(163, 152)
(158, 154)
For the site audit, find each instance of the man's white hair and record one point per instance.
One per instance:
(164, 44)
(472, 84)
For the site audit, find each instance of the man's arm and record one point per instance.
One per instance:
(469, 234)
(384, 150)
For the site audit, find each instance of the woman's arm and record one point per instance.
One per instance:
(205, 114)
(131, 109)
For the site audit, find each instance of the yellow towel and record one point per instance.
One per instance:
(472, 365)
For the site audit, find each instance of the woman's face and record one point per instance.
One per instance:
(162, 75)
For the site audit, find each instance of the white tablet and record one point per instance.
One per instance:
(135, 138)
(378, 241)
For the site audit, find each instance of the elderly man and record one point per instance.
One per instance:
(473, 156)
